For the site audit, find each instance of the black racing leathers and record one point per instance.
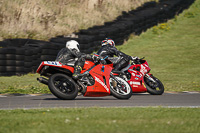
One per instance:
(118, 62)
(65, 56)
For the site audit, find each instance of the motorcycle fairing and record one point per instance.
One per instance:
(54, 64)
(88, 64)
(137, 77)
(136, 82)
(101, 86)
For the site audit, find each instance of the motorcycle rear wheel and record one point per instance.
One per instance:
(120, 90)
(154, 88)
(63, 87)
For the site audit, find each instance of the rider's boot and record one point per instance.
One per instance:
(77, 70)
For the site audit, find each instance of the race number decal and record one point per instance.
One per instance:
(143, 69)
(54, 63)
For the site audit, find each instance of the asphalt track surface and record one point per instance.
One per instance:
(137, 100)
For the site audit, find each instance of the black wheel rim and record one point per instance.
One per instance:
(153, 85)
(63, 85)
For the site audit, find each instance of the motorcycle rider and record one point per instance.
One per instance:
(108, 49)
(72, 53)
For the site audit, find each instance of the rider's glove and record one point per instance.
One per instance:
(134, 58)
(96, 58)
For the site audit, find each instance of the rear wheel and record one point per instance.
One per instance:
(63, 87)
(120, 88)
(154, 85)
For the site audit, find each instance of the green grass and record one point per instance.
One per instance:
(26, 84)
(101, 120)
(171, 49)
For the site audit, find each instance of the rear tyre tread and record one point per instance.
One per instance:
(59, 94)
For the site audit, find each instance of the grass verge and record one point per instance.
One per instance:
(101, 120)
(26, 84)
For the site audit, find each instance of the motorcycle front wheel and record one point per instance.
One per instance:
(154, 87)
(62, 86)
(120, 88)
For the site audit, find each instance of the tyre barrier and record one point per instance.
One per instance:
(21, 56)
(16, 60)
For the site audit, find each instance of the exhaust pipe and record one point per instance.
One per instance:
(43, 80)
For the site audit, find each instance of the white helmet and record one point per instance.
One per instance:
(72, 44)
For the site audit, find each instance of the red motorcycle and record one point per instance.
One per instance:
(97, 80)
(138, 76)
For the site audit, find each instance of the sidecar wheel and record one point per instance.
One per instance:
(120, 90)
(63, 87)
(154, 88)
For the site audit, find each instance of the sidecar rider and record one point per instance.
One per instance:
(108, 49)
(72, 53)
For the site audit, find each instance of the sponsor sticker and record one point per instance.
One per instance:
(143, 69)
(135, 86)
(98, 80)
(55, 63)
(138, 76)
(133, 74)
(146, 65)
(132, 70)
(134, 83)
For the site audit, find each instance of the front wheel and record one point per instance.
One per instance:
(120, 88)
(154, 85)
(63, 87)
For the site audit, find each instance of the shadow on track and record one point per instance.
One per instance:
(80, 98)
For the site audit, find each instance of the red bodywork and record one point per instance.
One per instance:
(100, 73)
(102, 85)
(54, 64)
(137, 77)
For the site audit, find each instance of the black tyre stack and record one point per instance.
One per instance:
(21, 56)
(24, 57)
